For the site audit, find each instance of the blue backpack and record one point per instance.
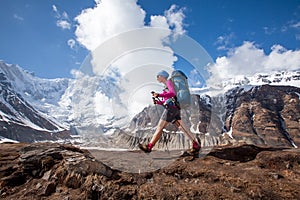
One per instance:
(181, 86)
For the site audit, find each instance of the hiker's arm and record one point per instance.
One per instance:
(171, 91)
(156, 100)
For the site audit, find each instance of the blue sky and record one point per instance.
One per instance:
(40, 36)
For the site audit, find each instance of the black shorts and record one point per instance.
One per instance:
(171, 114)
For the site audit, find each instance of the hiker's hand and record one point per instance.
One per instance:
(154, 94)
(154, 100)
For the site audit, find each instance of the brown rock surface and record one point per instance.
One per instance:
(260, 115)
(54, 171)
(265, 115)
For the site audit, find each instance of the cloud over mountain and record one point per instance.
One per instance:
(111, 17)
(107, 18)
(248, 59)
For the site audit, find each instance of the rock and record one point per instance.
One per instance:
(50, 164)
(227, 172)
(49, 189)
(262, 115)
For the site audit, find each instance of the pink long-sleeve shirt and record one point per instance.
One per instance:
(167, 93)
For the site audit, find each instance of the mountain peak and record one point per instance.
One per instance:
(290, 78)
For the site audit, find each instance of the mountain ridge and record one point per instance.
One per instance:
(87, 105)
(20, 120)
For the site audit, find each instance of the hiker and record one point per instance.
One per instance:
(171, 114)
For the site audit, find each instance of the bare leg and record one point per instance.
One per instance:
(159, 130)
(187, 131)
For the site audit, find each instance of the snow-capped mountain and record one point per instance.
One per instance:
(272, 78)
(263, 115)
(262, 110)
(19, 119)
(92, 105)
(87, 104)
(43, 94)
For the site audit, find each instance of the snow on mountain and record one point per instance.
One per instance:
(273, 78)
(245, 83)
(88, 104)
(19, 119)
(93, 105)
(6, 140)
(15, 108)
(37, 89)
(283, 78)
(43, 94)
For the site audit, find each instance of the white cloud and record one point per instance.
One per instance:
(54, 8)
(118, 37)
(65, 16)
(71, 43)
(111, 17)
(63, 24)
(224, 41)
(18, 17)
(175, 17)
(77, 74)
(63, 20)
(56, 12)
(269, 30)
(194, 79)
(159, 21)
(249, 59)
(106, 19)
(295, 25)
(282, 59)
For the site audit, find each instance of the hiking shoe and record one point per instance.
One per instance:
(144, 148)
(194, 151)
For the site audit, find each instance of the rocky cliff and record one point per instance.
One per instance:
(54, 171)
(263, 115)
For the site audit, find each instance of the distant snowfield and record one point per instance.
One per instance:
(5, 140)
(273, 78)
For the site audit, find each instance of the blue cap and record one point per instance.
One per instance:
(163, 73)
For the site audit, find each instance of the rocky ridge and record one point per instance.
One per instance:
(35, 109)
(265, 115)
(54, 171)
(261, 115)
